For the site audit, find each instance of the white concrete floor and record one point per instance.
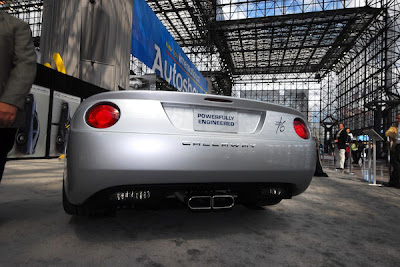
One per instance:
(339, 221)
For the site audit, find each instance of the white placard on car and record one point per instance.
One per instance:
(215, 120)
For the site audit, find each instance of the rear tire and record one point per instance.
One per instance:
(72, 209)
(68, 207)
(85, 210)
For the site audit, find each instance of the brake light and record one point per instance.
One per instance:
(301, 128)
(103, 115)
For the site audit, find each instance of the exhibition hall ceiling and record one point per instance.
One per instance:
(257, 37)
(225, 38)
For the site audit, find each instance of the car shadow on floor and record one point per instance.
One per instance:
(175, 222)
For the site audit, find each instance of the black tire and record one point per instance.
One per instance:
(70, 208)
(136, 86)
(85, 210)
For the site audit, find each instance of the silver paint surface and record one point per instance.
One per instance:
(145, 147)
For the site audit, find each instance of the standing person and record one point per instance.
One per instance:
(340, 146)
(349, 135)
(354, 152)
(17, 73)
(394, 135)
(348, 144)
(361, 148)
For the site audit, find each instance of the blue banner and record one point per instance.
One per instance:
(154, 46)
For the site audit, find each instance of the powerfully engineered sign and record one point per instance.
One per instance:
(215, 120)
(154, 46)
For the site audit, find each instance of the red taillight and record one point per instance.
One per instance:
(301, 128)
(102, 116)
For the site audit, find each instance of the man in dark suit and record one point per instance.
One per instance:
(340, 146)
(17, 73)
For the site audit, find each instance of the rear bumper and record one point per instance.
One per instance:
(97, 161)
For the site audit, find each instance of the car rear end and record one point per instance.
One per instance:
(154, 144)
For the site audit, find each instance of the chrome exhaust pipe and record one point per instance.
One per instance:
(222, 202)
(207, 202)
(200, 202)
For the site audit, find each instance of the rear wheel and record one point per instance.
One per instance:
(70, 208)
(85, 209)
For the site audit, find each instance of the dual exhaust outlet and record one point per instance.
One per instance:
(211, 202)
(194, 202)
(201, 202)
(208, 202)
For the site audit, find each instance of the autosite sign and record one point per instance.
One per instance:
(154, 46)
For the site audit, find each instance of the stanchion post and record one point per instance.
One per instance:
(369, 159)
(350, 158)
(373, 137)
(389, 159)
(374, 160)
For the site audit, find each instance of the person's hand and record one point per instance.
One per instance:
(7, 114)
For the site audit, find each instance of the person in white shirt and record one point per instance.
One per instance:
(349, 134)
(340, 147)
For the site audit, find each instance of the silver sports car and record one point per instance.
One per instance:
(139, 148)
